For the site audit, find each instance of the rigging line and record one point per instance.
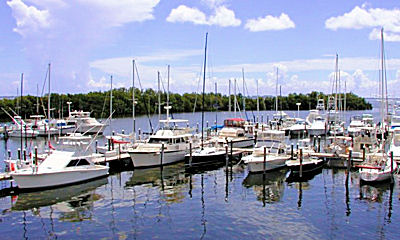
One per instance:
(198, 87)
(145, 105)
(245, 85)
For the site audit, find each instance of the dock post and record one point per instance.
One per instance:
(301, 162)
(113, 133)
(19, 153)
(26, 137)
(36, 158)
(197, 127)
(140, 133)
(265, 159)
(319, 144)
(97, 142)
(226, 155)
(349, 161)
(24, 154)
(112, 144)
(162, 154)
(314, 142)
(109, 144)
(231, 158)
(9, 154)
(391, 165)
(190, 153)
(123, 131)
(291, 151)
(363, 156)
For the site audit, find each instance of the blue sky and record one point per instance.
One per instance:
(86, 41)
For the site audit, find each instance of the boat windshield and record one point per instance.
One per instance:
(160, 140)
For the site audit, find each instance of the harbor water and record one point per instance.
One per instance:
(217, 202)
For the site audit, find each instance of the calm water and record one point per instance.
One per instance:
(207, 204)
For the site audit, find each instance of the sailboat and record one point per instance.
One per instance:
(379, 166)
(205, 154)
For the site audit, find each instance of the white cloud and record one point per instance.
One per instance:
(269, 23)
(104, 83)
(28, 18)
(361, 17)
(66, 32)
(187, 14)
(222, 17)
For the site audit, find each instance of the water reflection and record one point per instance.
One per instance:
(171, 180)
(268, 187)
(65, 199)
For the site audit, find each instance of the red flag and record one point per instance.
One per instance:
(51, 146)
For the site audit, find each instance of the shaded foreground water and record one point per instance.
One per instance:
(209, 204)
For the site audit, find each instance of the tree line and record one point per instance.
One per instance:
(98, 103)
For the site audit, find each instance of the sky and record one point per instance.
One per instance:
(292, 42)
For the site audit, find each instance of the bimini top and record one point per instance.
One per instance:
(234, 122)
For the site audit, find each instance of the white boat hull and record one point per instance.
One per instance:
(31, 180)
(151, 159)
(240, 143)
(91, 129)
(256, 164)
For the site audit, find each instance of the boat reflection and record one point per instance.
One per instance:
(268, 187)
(73, 203)
(171, 179)
(375, 192)
(295, 177)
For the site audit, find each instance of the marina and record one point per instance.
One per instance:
(211, 119)
(139, 203)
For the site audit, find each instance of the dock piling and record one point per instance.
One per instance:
(190, 153)
(349, 164)
(265, 159)
(291, 151)
(162, 154)
(301, 162)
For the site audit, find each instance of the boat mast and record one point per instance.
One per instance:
(133, 99)
(37, 99)
(159, 96)
(229, 90)
(234, 97)
(111, 105)
(168, 107)
(258, 104)
(276, 90)
(48, 110)
(204, 88)
(336, 90)
(244, 93)
(382, 82)
(216, 106)
(20, 111)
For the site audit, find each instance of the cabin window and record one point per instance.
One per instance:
(82, 162)
(240, 135)
(73, 163)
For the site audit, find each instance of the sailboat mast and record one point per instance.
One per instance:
(168, 97)
(111, 104)
(159, 96)
(234, 97)
(133, 99)
(229, 91)
(216, 106)
(381, 82)
(244, 92)
(37, 99)
(204, 88)
(276, 90)
(48, 108)
(258, 104)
